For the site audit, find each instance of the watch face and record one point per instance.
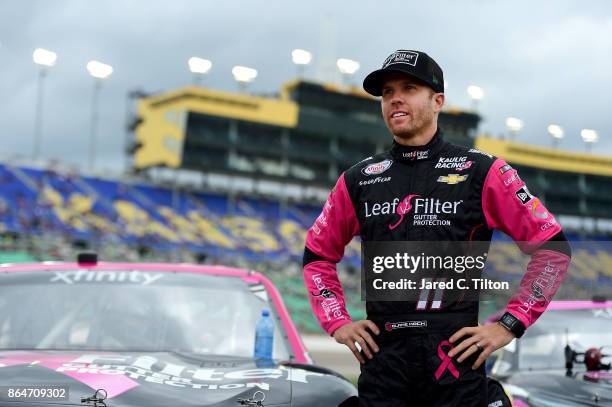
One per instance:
(508, 319)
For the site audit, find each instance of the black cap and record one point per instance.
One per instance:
(414, 63)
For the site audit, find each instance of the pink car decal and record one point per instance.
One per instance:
(115, 383)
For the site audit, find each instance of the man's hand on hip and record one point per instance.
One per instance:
(485, 339)
(358, 332)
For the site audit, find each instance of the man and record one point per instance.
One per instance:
(439, 360)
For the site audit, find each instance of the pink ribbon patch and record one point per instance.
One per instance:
(447, 362)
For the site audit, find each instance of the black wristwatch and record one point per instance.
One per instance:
(512, 324)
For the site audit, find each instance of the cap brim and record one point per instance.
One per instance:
(374, 81)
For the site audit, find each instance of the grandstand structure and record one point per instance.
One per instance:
(237, 179)
(292, 145)
(575, 186)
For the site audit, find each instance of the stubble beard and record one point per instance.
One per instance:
(421, 120)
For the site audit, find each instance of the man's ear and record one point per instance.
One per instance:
(438, 99)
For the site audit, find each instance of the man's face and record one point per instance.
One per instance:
(408, 105)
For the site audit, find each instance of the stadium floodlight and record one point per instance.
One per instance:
(99, 70)
(199, 67)
(556, 133)
(589, 137)
(514, 125)
(347, 66)
(44, 59)
(476, 93)
(244, 75)
(301, 57)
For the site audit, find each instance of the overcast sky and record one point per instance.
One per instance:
(542, 61)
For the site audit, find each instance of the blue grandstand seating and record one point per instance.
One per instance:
(34, 200)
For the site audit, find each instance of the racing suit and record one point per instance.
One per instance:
(464, 194)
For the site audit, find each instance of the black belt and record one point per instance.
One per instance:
(423, 323)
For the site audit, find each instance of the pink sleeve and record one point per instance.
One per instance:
(544, 275)
(327, 238)
(509, 207)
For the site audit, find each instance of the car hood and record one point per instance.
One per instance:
(165, 379)
(590, 389)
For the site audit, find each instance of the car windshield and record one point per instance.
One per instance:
(133, 310)
(543, 345)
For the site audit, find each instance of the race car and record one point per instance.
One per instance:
(561, 361)
(123, 335)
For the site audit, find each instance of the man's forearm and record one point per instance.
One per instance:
(325, 292)
(545, 272)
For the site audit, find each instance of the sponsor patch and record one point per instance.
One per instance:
(540, 288)
(504, 169)
(513, 177)
(377, 168)
(454, 163)
(325, 293)
(391, 326)
(401, 57)
(416, 155)
(477, 151)
(548, 225)
(425, 211)
(452, 179)
(321, 221)
(332, 308)
(376, 180)
(538, 210)
(524, 195)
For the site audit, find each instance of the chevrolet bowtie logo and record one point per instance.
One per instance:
(452, 179)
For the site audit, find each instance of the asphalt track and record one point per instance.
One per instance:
(328, 353)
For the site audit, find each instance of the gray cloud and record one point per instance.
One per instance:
(541, 61)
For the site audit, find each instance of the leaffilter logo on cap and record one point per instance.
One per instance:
(401, 57)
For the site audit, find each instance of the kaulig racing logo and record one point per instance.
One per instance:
(454, 163)
(426, 211)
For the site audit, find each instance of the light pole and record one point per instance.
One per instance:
(476, 93)
(556, 132)
(301, 59)
(514, 125)
(347, 68)
(98, 71)
(589, 137)
(44, 59)
(243, 75)
(199, 67)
